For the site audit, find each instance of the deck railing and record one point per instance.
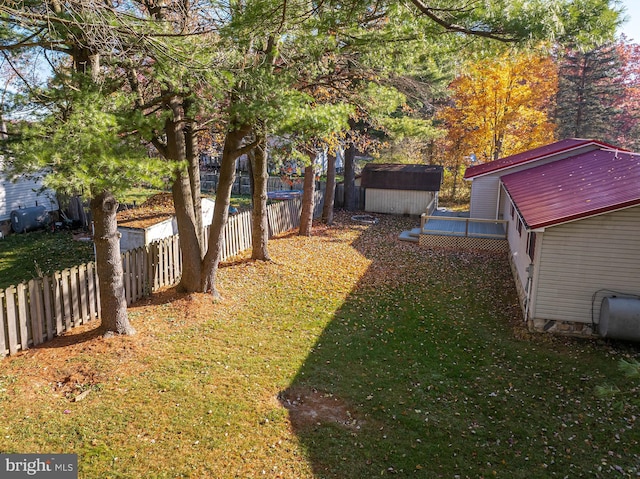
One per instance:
(463, 226)
(433, 205)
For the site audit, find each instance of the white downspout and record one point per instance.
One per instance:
(527, 293)
(531, 269)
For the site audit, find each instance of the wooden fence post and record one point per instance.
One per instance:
(23, 317)
(35, 311)
(66, 300)
(82, 280)
(48, 307)
(58, 302)
(75, 299)
(12, 319)
(3, 341)
(91, 276)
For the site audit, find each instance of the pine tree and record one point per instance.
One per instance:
(628, 118)
(588, 93)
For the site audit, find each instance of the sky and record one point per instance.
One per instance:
(632, 27)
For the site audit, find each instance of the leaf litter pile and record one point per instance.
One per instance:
(155, 209)
(351, 354)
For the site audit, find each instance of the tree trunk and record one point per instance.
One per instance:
(193, 162)
(259, 219)
(183, 195)
(189, 244)
(456, 174)
(350, 178)
(306, 215)
(113, 304)
(231, 151)
(330, 191)
(252, 186)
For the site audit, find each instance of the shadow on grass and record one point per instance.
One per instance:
(420, 374)
(73, 337)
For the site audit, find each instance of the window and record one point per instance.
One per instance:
(519, 226)
(531, 245)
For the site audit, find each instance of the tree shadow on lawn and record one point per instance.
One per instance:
(420, 374)
(90, 331)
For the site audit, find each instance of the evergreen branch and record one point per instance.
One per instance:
(246, 148)
(36, 19)
(160, 146)
(452, 27)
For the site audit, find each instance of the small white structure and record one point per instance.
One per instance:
(132, 238)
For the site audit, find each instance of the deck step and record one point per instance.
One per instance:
(410, 236)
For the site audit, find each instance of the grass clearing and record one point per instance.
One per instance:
(351, 355)
(26, 256)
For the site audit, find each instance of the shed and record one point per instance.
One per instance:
(486, 201)
(159, 227)
(574, 237)
(401, 189)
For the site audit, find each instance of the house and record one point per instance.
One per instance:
(401, 189)
(26, 192)
(571, 211)
(486, 199)
(574, 237)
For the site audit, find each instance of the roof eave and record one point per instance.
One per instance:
(585, 215)
(563, 150)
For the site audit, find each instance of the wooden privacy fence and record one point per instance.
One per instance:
(242, 185)
(34, 312)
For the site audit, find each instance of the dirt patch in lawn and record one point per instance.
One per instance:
(309, 407)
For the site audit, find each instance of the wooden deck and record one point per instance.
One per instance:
(459, 224)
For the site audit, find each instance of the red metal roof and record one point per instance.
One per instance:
(532, 155)
(576, 187)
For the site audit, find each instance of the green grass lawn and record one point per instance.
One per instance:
(351, 355)
(24, 256)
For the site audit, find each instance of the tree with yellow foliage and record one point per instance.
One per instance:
(498, 107)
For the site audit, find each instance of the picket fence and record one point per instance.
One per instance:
(38, 310)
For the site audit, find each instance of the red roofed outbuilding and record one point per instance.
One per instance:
(485, 178)
(573, 211)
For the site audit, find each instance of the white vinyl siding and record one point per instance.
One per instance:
(484, 197)
(580, 258)
(517, 243)
(23, 194)
(399, 202)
